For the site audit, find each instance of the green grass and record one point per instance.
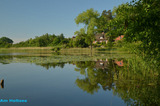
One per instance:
(50, 58)
(26, 50)
(42, 51)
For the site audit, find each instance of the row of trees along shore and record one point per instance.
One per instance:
(46, 40)
(138, 21)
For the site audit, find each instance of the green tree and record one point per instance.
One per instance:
(56, 41)
(6, 40)
(103, 21)
(89, 19)
(80, 38)
(140, 21)
(43, 41)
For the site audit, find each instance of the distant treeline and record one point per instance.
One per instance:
(43, 41)
(46, 40)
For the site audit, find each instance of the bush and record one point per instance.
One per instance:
(96, 45)
(56, 49)
(109, 44)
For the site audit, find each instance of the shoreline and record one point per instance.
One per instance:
(27, 48)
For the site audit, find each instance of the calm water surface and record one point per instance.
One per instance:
(56, 81)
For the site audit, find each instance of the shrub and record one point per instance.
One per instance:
(56, 49)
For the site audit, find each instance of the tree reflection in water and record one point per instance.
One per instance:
(134, 81)
(137, 82)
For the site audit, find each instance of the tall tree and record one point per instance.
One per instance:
(89, 19)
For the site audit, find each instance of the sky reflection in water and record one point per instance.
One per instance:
(89, 83)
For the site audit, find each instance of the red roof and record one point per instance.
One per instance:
(119, 63)
(119, 37)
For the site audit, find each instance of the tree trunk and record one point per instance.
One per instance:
(91, 46)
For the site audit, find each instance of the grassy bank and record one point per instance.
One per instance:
(63, 51)
(45, 50)
(27, 48)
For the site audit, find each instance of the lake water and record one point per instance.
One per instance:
(77, 80)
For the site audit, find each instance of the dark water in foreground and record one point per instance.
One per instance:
(70, 81)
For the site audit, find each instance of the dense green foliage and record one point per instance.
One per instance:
(139, 21)
(5, 42)
(80, 38)
(103, 21)
(43, 41)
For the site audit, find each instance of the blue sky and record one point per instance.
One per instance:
(24, 19)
